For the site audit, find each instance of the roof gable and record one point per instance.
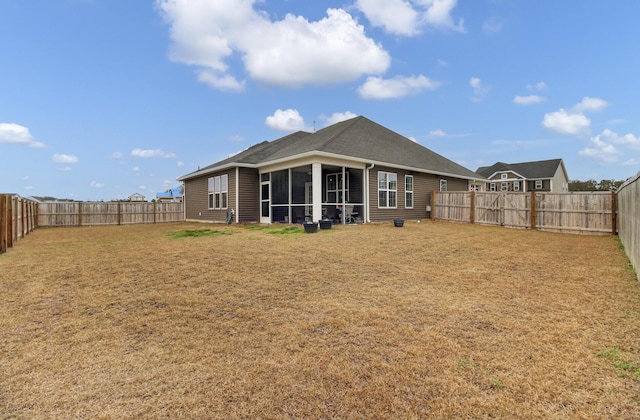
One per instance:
(530, 170)
(358, 138)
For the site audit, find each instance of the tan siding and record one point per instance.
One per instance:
(197, 198)
(424, 184)
(249, 195)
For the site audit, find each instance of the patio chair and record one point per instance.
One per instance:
(349, 214)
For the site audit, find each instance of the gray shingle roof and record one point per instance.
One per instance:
(530, 170)
(358, 138)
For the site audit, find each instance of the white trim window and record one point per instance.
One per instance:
(516, 185)
(443, 185)
(492, 187)
(504, 186)
(218, 192)
(408, 191)
(504, 176)
(538, 184)
(387, 189)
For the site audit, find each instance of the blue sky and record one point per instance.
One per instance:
(100, 99)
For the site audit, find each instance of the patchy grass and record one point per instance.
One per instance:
(197, 233)
(432, 320)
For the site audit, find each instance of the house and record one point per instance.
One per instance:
(174, 195)
(136, 197)
(352, 171)
(542, 175)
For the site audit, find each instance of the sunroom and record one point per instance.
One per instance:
(289, 195)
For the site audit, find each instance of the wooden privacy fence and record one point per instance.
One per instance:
(108, 213)
(576, 212)
(17, 219)
(629, 219)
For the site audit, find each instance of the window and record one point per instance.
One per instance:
(218, 192)
(504, 176)
(504, 186)
(443, 185)
(335, 188)
(492, 186)
(516, 185)
(387, 189)
(408, 191)
(538, 184)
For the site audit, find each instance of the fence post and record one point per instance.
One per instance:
(532, 211)
(472, 215)
(119, 214)
(433, 205)
(614, 213)
(23, 212)
(154, 212)
(3, 223)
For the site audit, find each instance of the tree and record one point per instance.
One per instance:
(593, 185)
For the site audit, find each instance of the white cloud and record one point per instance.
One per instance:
(286, 120)
(222, 82)
(17, 134)
(289, 52)
(564, 122)
(142, 187)
(606, 146)
(62, 158)
(397, 87)
(148, 153)
(180, 164)
(408, 17)
(574, 122)
(95, 184)
(591, 104)
(529, 100)
(395, 16)
(116, 155)
(537, 87)
(65, 168)
(236, 137)
(479, 90)
(337, 117)
(441, 62)
(437, 133)
(438, 14)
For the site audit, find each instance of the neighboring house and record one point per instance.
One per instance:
(355, 170)
(136, 197)
(174, 195)
(543, 176)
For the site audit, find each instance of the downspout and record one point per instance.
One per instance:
(184, 200)
(367, 211)
(237, 215)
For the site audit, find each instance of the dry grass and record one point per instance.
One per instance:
(433, 320)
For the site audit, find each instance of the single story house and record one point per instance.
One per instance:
(543, 175)
(174, 195)
(136, 197)
(352, 171)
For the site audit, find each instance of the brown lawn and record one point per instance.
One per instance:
(434, 320)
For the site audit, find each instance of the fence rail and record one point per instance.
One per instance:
(108, 213)
(17, 219)
(629, 219)
(576, 212)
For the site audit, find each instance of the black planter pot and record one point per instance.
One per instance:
(325, 224)
(398, 222)
(310, 227)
